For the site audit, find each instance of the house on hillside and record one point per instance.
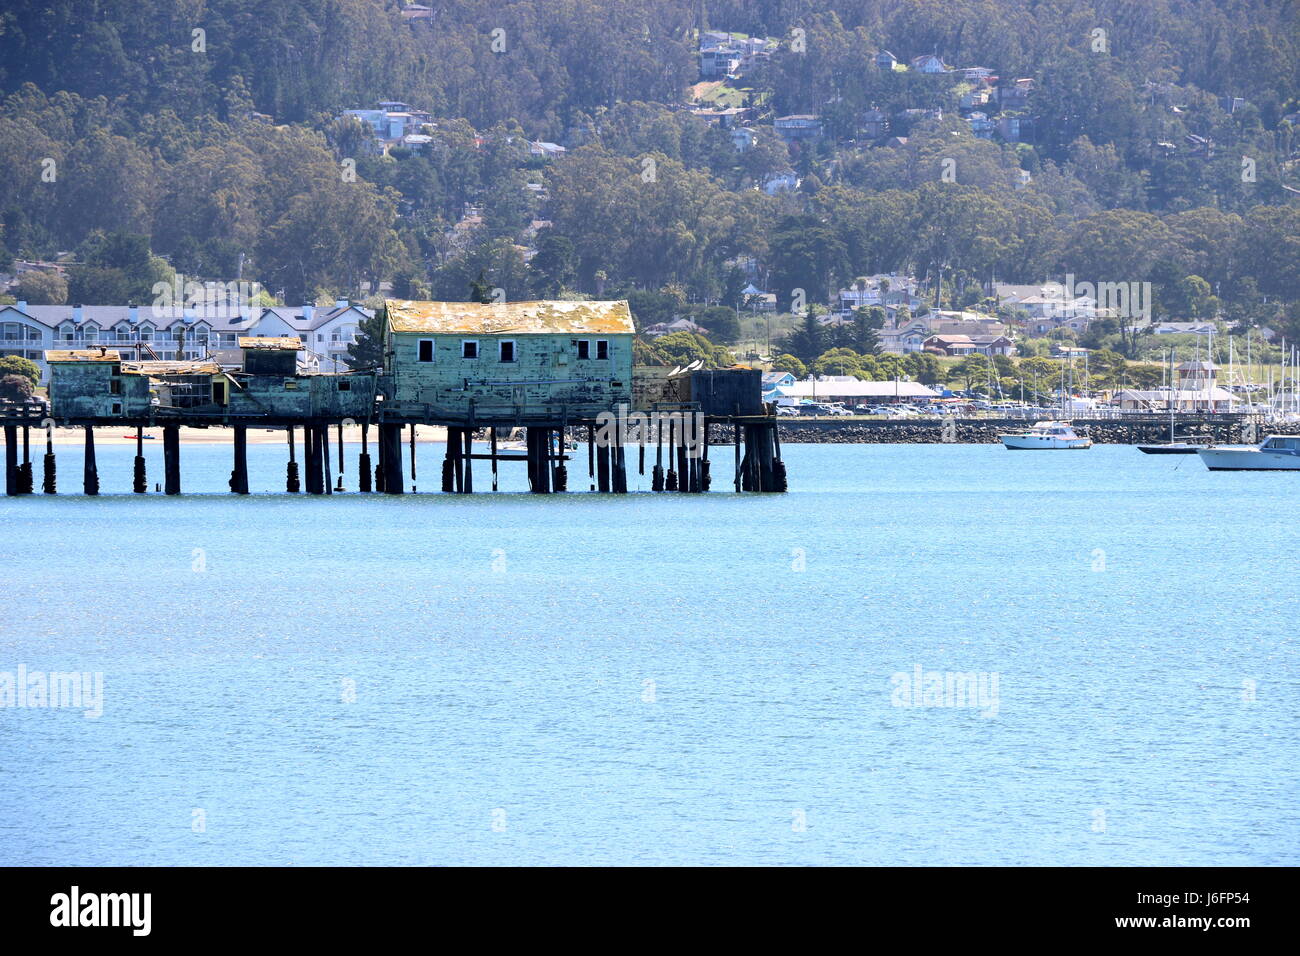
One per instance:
(676, 325)
(756, 300)
(718, 63)
(743, 138)
(981, 126)
(798, 127)
(1015, 96)
(1014, 129)
(900, 340)
(392, 121)
(786, 181)
(875, 124)
(930, 63)
(1184, 328)
(1048, 306)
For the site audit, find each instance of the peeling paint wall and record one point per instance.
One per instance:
(546, 371)
(92, 390)
(96, 390)
(305, 396)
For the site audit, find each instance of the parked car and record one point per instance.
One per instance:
(787, 410)
(822, 408)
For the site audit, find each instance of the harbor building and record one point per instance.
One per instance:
(466, 360)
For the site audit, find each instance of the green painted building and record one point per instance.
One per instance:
(92, 383)
(456, 360)
(97, 384)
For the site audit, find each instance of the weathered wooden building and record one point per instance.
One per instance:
(472, 361)
(179, 384)
(558, 369)
(97, 385)
(271, 383)
(93, 384)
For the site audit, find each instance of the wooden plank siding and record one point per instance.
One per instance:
(468, 360)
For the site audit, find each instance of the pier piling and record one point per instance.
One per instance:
(390, 437)
(736, 439)
(49, 480)
(363, 462)
(469, 460)
(670, 483)
(457, 445)
(413, 488)
(683, 464)
(291, 483)
(172, 459)
(311, 453)
(706, 480)
(449, 462)
(11, 460)
(90, 472)
(327, 483)
(339, 487)
(620, 470)
(25, 479)
(657, 474)
(538, 444)
(602, 469)
(239, 475)
(560, 473)
(139, 477)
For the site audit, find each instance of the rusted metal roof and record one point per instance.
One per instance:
(82, 355)
(172, 368)
(288, 343)
(523, 318)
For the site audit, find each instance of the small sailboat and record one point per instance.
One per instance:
(1047, 436)
(1171, 447)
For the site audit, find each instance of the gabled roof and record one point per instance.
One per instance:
(521, 318)
(218, 319)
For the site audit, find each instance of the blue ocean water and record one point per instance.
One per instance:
(662, 679)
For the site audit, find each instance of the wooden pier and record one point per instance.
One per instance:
(555, 372)
(550, 452)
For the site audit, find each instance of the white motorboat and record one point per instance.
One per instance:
(1047, 435)
(1274, 453)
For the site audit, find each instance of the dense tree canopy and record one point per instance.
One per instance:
(1158, 149)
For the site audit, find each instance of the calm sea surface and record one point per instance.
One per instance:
(662, 678)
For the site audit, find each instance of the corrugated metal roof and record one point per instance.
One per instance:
(82, 355)
(287, 343)
(543, 317)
